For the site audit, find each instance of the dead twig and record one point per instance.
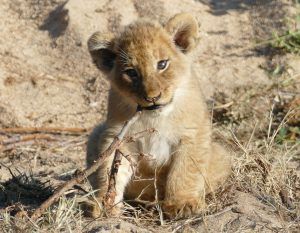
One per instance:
(196, 219)
(14, 145)
(15, 141)
(109, 200)
(54, 130)
(87, 172)
(227, 105)
(111, 191)
(132, 165)
(25, 138)
(134, 137)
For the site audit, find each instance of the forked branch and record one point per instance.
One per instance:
(118, 140)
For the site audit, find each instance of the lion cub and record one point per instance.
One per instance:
(149, 65)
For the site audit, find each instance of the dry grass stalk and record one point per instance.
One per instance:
(157, 205)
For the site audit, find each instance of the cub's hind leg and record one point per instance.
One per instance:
(219, 168)
(98, 142)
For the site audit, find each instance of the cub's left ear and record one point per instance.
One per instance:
(184, 30)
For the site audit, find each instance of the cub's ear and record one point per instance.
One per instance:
(101, 49)
(184, 30)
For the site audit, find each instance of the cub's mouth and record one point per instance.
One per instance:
(151, 107)
(154, 106)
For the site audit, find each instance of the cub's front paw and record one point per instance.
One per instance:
(96, 210)
(92, 209)
(175, 209)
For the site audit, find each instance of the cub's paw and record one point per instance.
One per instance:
(175, 209)
(94, 209)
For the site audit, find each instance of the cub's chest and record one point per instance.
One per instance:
(157, 146)
(160, 144)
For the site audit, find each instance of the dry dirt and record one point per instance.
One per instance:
(47, 79)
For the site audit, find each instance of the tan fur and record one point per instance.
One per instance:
(187, 164)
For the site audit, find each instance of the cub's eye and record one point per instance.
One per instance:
(131, 73)
(161, 65)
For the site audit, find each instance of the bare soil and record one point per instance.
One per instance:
(47, 79)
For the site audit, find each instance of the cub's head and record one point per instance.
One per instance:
(147, 62)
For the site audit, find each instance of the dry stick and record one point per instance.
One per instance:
(132, 165)
(109, 200)
(15, 145)
(87, 172)
(54, 130)
(13, 142)
(111, 191)
(227, 105)
(25, 138)
(192, 220)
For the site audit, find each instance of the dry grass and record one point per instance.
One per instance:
(268, 171)
(64, 217)
(262, 168)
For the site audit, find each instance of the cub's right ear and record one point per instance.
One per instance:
(101, 49)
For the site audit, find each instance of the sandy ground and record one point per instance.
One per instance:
(47, 79)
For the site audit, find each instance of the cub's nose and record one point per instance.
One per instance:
(152, 99)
